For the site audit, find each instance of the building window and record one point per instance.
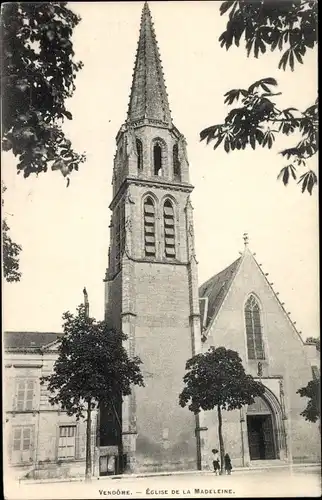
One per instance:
(119, 233)
(169, 233)
(22, 444)
(24, 394)
(67, 441)
(21, 438)
(176, 162)
(255, 347)
(149, 227)
(139, 149)
(157, 159)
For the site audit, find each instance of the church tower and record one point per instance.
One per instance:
(151, 281)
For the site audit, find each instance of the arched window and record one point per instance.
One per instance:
(169, 232)
(139, 149)
(176, 162)
(149, 227)
(157, 159)
(117, 236)
(255, 347)
(119, 233)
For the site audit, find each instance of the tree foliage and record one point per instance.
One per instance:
(312, 412)
(38, 75)
(10, 251)
(217, 378)
(92, 365)
(290, 27)
(314, 340)
(92, 369)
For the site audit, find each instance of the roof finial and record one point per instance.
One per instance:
(86, 303)
(245, 237)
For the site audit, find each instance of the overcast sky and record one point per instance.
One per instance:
(64, 231)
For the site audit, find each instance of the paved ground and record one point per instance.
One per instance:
(304, 482)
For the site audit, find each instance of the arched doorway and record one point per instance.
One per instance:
(262, 431)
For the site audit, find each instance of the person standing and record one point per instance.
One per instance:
(227, 462)
(215, 461)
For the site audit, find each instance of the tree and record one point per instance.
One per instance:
(290, 27)
(314, 340)
(38, 74)
(10, 251)
(217, 378)
(92, 368)
(312, 412)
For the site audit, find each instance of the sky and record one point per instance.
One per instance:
(64, 231)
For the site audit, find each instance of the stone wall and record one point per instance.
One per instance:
(166, 432)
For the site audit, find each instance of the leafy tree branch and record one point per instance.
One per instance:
(38, 75)
(10, 251)
(291, 28)
(312, 391)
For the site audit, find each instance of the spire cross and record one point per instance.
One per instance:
(245, 237)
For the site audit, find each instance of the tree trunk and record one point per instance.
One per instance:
(221, 441)
(88, 469)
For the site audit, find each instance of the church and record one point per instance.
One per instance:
(152, 294)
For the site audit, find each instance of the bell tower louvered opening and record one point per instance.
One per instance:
(149, 227)
(169, 230)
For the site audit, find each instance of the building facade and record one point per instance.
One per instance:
(241, 311)
(40, 439)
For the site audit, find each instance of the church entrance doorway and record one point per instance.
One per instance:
(260, 437)
(261, 431)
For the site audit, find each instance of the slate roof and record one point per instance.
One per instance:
(29, 340)
(203, 311)
(149, 98)
(216, 289)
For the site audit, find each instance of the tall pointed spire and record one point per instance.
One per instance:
(149, 99)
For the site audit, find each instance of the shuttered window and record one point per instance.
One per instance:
(254, 336)
(67, 441)
(24, 394)
(22, 438)
(149, 227)
(169, 231)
